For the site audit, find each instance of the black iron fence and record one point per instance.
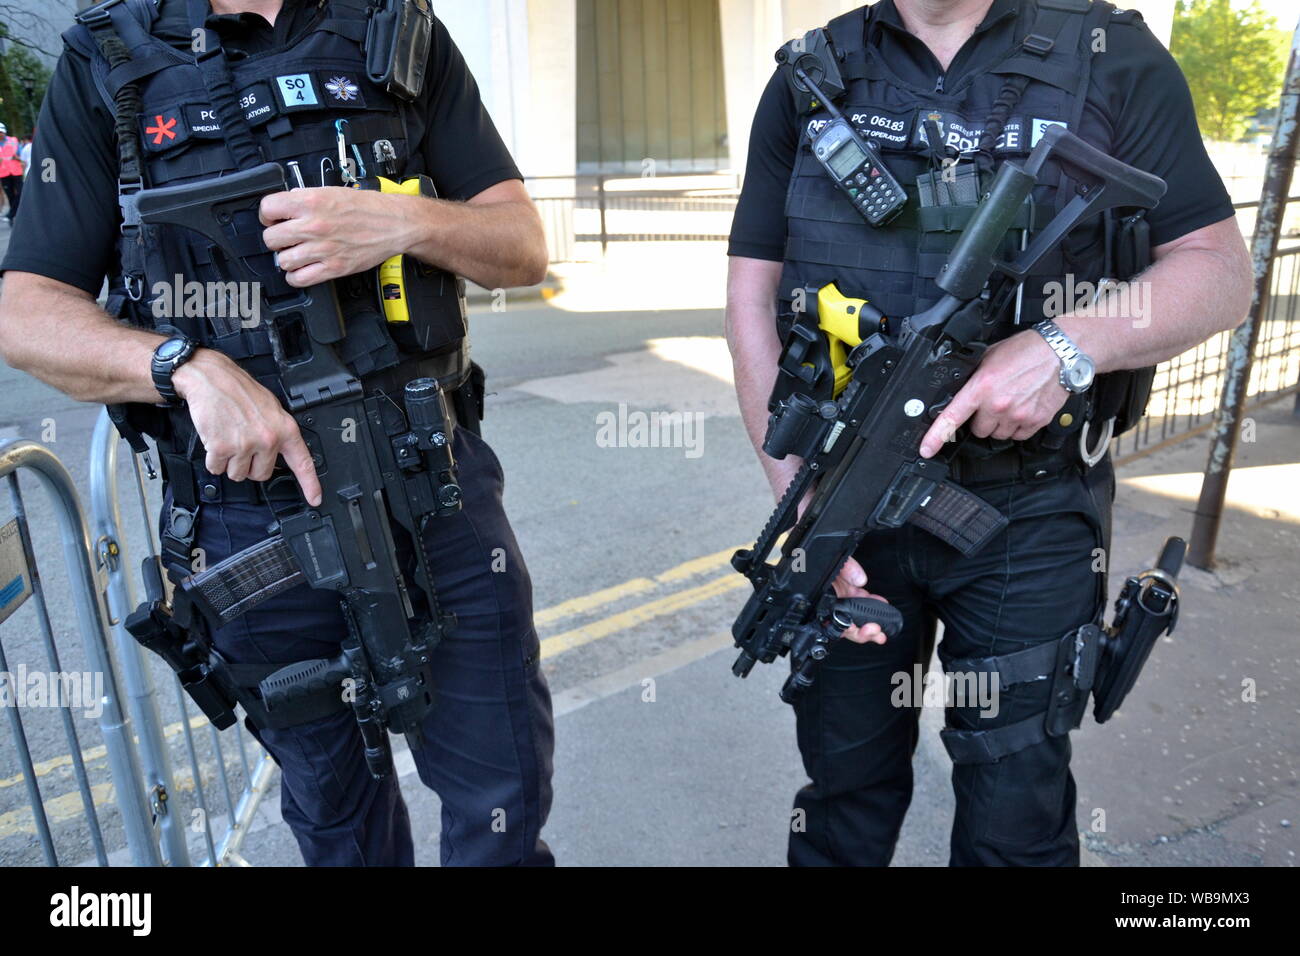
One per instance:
(1187, 387)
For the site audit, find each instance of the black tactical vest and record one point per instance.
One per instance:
(291, 100)
(894, 267)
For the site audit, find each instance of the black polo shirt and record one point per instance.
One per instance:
(68, 219)
(1137, 107)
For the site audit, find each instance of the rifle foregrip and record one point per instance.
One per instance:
(860, 611)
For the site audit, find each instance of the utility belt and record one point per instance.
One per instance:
(1015, 464)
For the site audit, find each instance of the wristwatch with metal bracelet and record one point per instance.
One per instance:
(1077, 369)
(167, 358)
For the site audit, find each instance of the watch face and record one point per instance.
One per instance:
(172, 349)
(1081, 373)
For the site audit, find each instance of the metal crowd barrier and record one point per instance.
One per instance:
(241, 778)
(22, 583)
(168, 818)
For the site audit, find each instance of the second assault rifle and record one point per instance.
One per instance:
(861, 450)
(380, 457)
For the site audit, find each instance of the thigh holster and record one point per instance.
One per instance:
(1070, 663)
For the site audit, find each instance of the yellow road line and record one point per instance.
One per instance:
(60, 809)
(68, 806)
(589, 602)
(710, 562)
(551, 646)
(640, 614)
(45, 767)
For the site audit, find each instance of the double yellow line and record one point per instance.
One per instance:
(640, 614)
(68, 806)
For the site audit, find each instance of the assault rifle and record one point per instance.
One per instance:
(861, 450)
(380, 458)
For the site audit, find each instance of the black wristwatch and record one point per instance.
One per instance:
(167, 358)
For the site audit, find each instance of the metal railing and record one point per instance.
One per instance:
(128, 794)
(588, 214)
(1187, 387)
(161, 817)
(183, 806)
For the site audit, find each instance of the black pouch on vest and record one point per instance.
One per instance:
(436, 302)
(397, 46)
(469, 400)
(1123, 396)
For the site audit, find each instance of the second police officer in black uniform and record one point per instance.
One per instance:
(336, 92)
(947, 90)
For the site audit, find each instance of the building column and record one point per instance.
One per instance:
(523, 55)
(751, 33)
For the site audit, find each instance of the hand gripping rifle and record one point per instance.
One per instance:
(377, 461)
(861, 450)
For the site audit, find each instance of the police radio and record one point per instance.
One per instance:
(855, 165)
(849, 159)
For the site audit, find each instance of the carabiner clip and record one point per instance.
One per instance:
(345, 163)
(138, 293)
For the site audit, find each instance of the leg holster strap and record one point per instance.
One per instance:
(177, 538)
(1069, 663)
(274, 696)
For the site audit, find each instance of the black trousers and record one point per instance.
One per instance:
(488, 740)
(1042, 577)
(13, 187)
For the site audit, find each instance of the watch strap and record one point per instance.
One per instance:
(1058, 341)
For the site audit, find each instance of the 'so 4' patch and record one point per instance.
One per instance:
(297, 91)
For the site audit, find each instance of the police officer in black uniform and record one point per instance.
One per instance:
(195, 93)
(948, 90)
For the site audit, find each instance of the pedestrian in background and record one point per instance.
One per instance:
(25, 154)
(11, 170)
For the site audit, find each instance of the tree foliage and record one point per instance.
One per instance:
(21, 69)
(1233, 61)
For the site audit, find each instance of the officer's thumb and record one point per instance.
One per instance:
(854, 574)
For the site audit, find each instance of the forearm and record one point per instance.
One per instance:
(498, 245)
(89, 356)
(755, 350)
(1189, 295)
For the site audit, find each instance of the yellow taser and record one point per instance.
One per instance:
(392, 273)
(846, 323)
